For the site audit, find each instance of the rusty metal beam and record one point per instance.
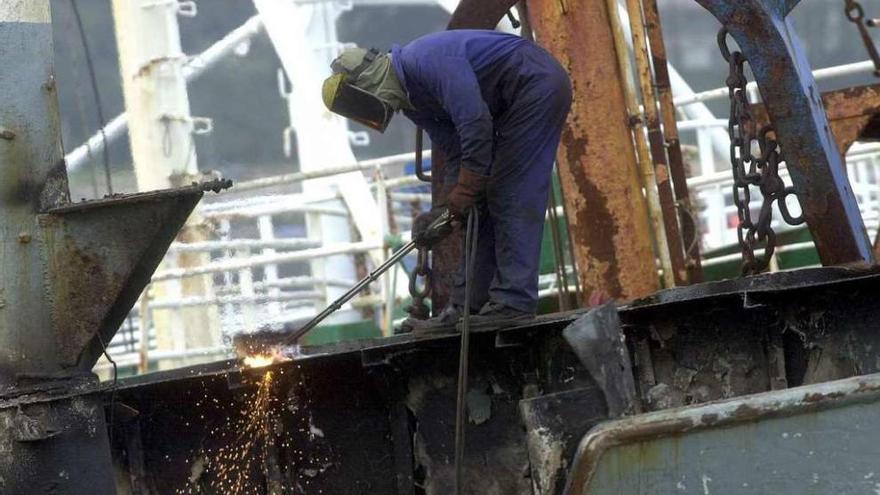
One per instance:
(768, 41)
(687, 218)
(852, 112)
(662, 174)
(597, 163)
(643, 152)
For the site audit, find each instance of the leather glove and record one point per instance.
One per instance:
(471, 187)
(424, 236)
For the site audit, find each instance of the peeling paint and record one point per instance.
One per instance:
(545, 452)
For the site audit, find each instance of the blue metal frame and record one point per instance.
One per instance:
(794, 104)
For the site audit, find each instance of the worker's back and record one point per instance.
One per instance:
(491, 55)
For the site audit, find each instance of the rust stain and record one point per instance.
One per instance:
(607, 214)
(852, 113)
(662, 173)
(817, 397)
(81, 286)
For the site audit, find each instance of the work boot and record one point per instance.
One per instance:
(444, 322)
(497, 315)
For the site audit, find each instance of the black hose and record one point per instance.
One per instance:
(470, 252)
(420, 164)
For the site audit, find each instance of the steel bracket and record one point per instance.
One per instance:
(99, 256)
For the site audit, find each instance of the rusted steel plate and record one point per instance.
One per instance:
(597, 165)
(813, 439)
(98, 257)
(776, 58)
(853, 113)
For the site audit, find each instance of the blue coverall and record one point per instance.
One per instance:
(496, 104)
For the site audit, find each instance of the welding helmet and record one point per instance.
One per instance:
(342, 95)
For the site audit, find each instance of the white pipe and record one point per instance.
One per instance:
(306, 298)
(208, 246)
(405, 181)
(726, 178)
(232, 264)
(275, 208)
(193, 68)
(680, 88)
(220, 204)
(326, 172)
(299, 282)
(692, 125)
(758, 252)
(856, 68)
(410, 197)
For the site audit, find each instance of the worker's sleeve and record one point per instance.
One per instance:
(452, 82)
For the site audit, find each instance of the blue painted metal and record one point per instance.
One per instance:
(783, 74)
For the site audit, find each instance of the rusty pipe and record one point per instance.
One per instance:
(689, 227)
(645, 166)
(656, 142)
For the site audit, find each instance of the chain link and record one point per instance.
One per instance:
(856, 14)
(418, 309)
(755, 157)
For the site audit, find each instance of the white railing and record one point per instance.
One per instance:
(259, 258)
(258, 261)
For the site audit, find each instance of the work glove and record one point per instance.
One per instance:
(426, 236)
(469, 190)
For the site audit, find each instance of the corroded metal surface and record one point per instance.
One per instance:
(768, 40)
(32, 174)
(813, 439)
(740, 288)
(606, 210)
(688, 224)
(662, 173)
(70, 271)
(597, 340)
(372, 417)
(56, 446)
(724, 339)
(377, 411)
(100, 256)
(853, 113)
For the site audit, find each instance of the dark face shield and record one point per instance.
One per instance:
(356, 104)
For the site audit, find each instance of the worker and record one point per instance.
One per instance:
(495, 104)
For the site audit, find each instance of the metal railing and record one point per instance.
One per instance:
(258, 243)
(258, 262)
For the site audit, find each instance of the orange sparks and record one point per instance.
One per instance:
(245, 444)
(258, 361)
(263, 360)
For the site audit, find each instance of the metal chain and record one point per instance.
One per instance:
(418, 309)
(750, 169)
(856, 14)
